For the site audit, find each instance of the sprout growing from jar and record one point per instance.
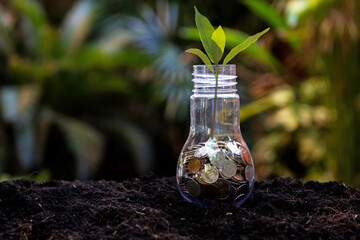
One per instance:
(213, 41)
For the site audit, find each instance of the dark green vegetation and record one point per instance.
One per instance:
(101, 88)
(151, 208)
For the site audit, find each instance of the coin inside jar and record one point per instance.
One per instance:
(233, 148)
(243, 189)
(224, 189)
(210, 191)
(194, 165)
(201, 152)
(210, 174)
(218, 158)
(239, 177)
(228, 169)
(193, 187)
(200, 179)
(249, 173)
(245, 155)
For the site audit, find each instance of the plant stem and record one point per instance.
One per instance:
(215, 101)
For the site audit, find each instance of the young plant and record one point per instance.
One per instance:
(213, 42)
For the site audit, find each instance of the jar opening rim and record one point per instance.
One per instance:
(204, 70)
(199, 65)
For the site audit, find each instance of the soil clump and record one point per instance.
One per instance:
(152, 208)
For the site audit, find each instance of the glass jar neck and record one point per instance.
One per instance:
(203, 104)
(205, 80)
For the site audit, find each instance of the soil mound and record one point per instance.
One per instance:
(151, 208)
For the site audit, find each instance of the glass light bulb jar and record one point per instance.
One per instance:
(215, 166)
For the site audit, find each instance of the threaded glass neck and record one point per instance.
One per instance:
(205, 81)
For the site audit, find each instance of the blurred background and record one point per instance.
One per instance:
(100, 89)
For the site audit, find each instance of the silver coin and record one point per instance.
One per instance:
(234, 157)
(188, 153)
(211, 143)
(218, 158)
(210, 174)
(193, 187)
(238, 159)
(228, 169)
(229, 156)
(201, 152)
(233, 148)
(221, 144)
(249, 173)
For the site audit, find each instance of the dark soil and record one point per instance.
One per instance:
(152, 208)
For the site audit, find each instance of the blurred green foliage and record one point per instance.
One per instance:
(71, 73)
(100, 89)
(316, 134)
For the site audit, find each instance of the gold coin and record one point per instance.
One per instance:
(194, 165)
(210, 174)
(200, 180)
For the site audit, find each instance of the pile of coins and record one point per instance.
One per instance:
(216, 170)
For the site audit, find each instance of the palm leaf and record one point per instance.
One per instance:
(85, 142)
(76, 26)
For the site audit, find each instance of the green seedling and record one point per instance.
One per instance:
(213, 41)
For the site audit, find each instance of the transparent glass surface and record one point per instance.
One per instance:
(215, 170)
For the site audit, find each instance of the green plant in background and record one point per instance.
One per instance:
(28, 69)
(153, 32)
(321, 121)
(103, 61)
(46, 72)
(214, 45)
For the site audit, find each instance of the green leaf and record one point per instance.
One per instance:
(203, 57)
(267, 12)
(233, 37)
(219, 38)
(205, 32)
(242, 46)
(32, 10)
(216, 52)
